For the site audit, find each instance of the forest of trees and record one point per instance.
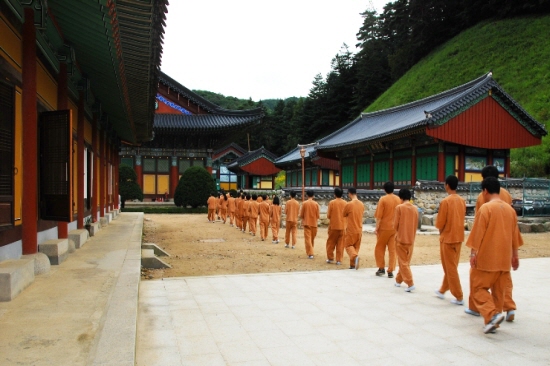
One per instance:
(389, 44)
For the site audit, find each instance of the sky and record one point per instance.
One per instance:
(258, 49)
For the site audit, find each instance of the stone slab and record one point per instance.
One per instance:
(57, 250)
(79, 237)
(158, 250)
(15, 276)
(103, 222)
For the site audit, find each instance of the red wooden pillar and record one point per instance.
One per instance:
(103, 170)
(80, 163)
(319, 177)
(461, 159)
(371, 183)
(62, 104)
(115, 179)
(413, 166)
(490, 157)
(95, 169)
(441, 163)
(339, 173)
(174, 176)
(30, 137)
(139, 171)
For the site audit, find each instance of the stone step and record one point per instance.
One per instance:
(157, 250)
(79, 237)
(56, 249)
(94, 228)
(149, 260)
(15, 276)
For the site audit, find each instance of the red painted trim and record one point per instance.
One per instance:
(139, 173)
(80, 167)
(461, 162)
(166, 109)
(507, 164)
(485, 125)
(30, 137)
(63, 103)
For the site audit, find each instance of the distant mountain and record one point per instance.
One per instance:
(239, 104)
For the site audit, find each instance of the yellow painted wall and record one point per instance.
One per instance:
(228, 186)
(10, 44)
(149, 184)
(46, 87)
(18, 203)
(472, 177)
(266, 185)
(337, 180)
(163, 183)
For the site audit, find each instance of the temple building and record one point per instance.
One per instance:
(458, 131)
(188, 131)
(77, 81)
(256, 169)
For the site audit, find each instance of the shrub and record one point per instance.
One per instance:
(127, 185)
(194, 187)
(233, 193)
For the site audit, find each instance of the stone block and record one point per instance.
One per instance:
(547, 226)
(41, 262)
(156, 249)
(94, 228)
(79, 237)
(427, 220)
(72, 247)
(57, 250)
(103, 221)
(524, 228)
(434, 218)
(15, 276)
(537, 228)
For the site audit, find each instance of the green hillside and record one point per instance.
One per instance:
(518, 52)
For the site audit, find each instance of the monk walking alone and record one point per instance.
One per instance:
(404, 224)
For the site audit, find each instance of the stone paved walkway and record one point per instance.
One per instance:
(335, 318)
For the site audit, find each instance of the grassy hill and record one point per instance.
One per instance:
(518, 52)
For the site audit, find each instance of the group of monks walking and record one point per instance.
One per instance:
(494, 239)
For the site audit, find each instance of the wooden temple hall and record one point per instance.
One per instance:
(77, 79)
(189, 131)
(458, 131)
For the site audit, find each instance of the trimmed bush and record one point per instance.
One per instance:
(194, 187)
(127, 185)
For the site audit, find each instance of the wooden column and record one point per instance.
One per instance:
(116, 179)
(95, 169)
(339, 174)
(413, 166)
(174, 176)
(391, 166)
(62, 104)
(371, 183)
(102, 162)
(139, 171)
(29, 213)
(441, 163)
(461, 161)
(489, 157)
(507, 164)
(80, 164)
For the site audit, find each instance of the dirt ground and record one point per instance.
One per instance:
(200, 248)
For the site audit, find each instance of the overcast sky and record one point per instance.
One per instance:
(256, 48)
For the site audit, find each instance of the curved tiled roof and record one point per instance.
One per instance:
(204, 103)
(293, 156)
(201, 122)
(252, 156)
(434, 110)
(228, 147)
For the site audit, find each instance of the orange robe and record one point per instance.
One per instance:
(495, 235)
(275, 218)
(385, 237)
(450, 222)
(246, 206)
(264, 219)
(292, 208)
(404, 223)
(309, 214)
(231, 207)
(211, 202)
(336, 228)
(353, 213)
(253, 212)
